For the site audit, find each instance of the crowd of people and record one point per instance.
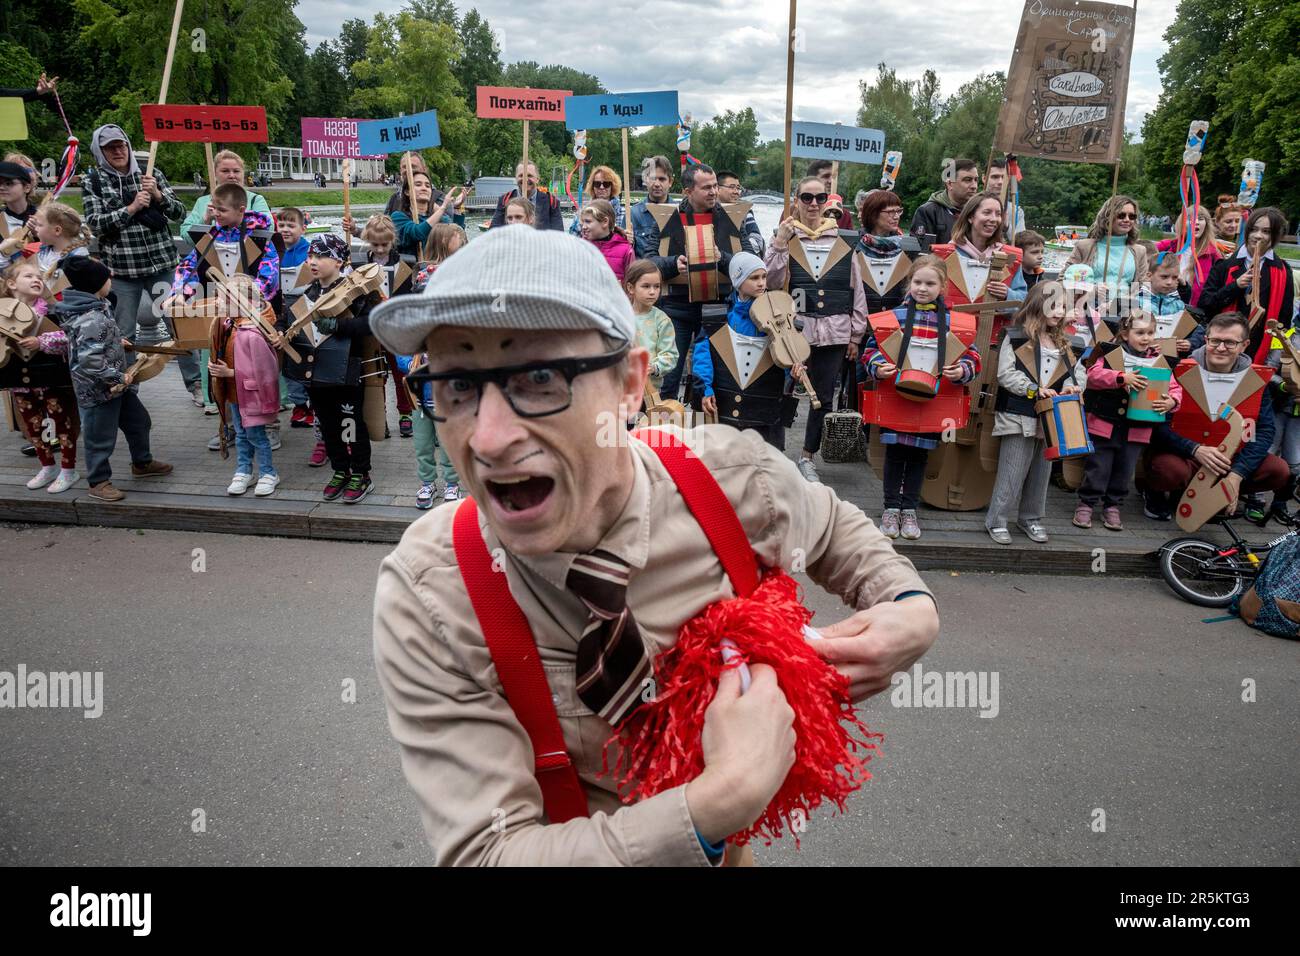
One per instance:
(692, 304)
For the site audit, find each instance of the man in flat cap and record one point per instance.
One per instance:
(532, 370)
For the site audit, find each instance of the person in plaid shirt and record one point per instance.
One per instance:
(130, 213)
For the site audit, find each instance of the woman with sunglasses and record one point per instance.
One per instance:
(812, 258)
(604, 184)
(1118, 262)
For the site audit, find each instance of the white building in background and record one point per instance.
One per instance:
(286, 162)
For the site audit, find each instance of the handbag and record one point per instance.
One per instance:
(842, 437)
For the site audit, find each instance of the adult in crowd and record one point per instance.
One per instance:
(455, 211)
(1181, 448)
(546, 208)
(882, 246)
(706, 269)
(824, 170)
(131, 215)
(933, 220)
(977, 234)
(560, 507)
(1227, 223)
(1118, 261)
(729, 190)
(603, 183)
(657, 176)
(813, 259)
(995, 181)
(229, 167)
(1228, 286)
(1194, 268)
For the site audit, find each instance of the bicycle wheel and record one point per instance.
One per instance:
(1194, 571)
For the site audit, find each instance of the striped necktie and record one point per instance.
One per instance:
(612, 663)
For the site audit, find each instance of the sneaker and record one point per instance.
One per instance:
(299, 417)
(209, 409)
(43, 477)
(151, 469)
(1253, 509)
(452, 493)
(1000, 535)
(266, 485)
(911, 528)
(808, 469)
(273, 433)
(358, 487)
(334, 487)
(1082, 516)
(1155, 505)
(424, 497)
(404, 426)
(28, 450)
(239, 484)
(889, 523)
(196, 395)
(104, 491)
(214, 443)
(1110, 518)
(1034, 531)
(317, 456)
(67, 478)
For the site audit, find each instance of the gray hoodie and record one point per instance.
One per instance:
(103, 136)
(96, 356)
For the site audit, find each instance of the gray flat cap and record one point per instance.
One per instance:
(512, 277)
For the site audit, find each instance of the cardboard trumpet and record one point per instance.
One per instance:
(1206, 494)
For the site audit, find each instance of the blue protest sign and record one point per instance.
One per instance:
(848, 144)
(610, 111)
(417, 131)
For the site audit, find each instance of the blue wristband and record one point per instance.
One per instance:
(713, 852)
(908, 594)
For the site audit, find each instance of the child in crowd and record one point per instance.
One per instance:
(59, 232)
(380, 233)
(430, 455)
(1166, 300)
(245, 370)
(906, 453)
(413, 230)
(1052, 369)
(17, 181)
(1194, 267)
(105, 389)
(520, 211)
(293, 228)
(756, 387)
(52, 403)
(598, 228)
(1117, 441)
(1032, 245)
(335, 345)
(654, 330)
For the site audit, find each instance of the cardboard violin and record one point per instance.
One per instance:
(19, 321)
(773, 312)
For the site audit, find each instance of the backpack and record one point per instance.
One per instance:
(1272, 604)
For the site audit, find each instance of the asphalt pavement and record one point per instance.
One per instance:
(1120, 733)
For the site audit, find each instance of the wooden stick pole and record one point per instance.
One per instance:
(212, 167)
(1110, 225)
(167, 77)
(525, 160)
(410, 186)
(347, 189)
(627, 184)
(789, 108)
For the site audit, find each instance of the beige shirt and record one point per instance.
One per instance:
(464, 753)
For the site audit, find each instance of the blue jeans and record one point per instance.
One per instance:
(294, 390)
(249, 440)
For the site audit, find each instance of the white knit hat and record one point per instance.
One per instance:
(512, 277)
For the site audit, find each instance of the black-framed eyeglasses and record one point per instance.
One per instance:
(809, 198)
(533, 390)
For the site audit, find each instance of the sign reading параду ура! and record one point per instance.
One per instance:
(848, 144)
(417, 131)
(614, 110)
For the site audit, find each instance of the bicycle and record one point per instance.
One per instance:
(1211, 575)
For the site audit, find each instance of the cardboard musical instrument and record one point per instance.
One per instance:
(362, 280)
(662, 411)
(1206, 494)
(699, 239)
(1290, 356)
(890, 405)
(267, 329)
(191, 319)
(374, 376)
(1158, 375)
(773, 312)
(19, 321)
(1169, 330)
(1255, 310)
(1065, 427)
(148, 365)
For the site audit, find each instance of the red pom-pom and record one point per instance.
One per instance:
(661, 741)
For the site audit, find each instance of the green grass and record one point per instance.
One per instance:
(1289, 252)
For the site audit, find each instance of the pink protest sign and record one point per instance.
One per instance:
(332, 138)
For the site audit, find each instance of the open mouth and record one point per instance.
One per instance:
(521, 495)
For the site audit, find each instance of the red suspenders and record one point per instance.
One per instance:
(510, 640)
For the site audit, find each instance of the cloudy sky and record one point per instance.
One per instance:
(729, 54)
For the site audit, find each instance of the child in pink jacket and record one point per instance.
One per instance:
(598, 228)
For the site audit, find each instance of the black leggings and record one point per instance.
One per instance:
(904, 475)
(823, 372)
